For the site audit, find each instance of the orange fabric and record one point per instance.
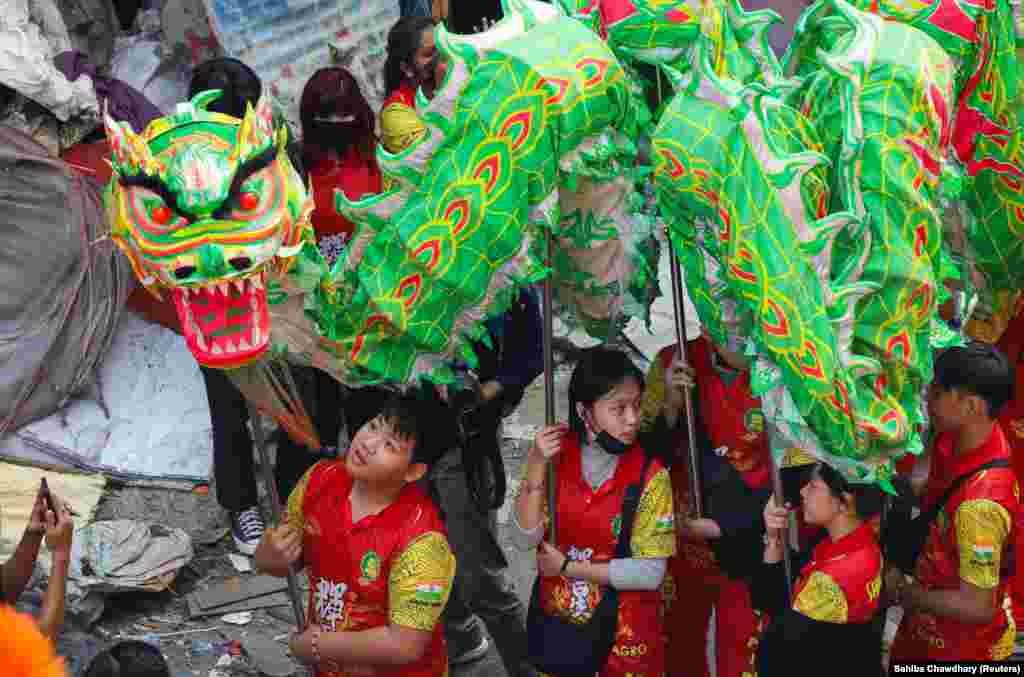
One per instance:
(24, 650)
(350, 563)
(925, 636)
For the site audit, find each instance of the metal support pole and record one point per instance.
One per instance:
(679, 305)
(277, 514)
(549, 384)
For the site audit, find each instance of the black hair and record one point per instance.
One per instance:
(403, 41)
(598, 372)
(416, 417)
(129, 658)
(239, 85)
(980, 369)
(867, 498)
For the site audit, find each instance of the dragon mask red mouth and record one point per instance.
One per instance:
(226, 323)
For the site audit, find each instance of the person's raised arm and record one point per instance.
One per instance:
(59, 531)
(16, 572)
(532, 494)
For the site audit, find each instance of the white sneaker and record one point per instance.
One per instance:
(247, 530)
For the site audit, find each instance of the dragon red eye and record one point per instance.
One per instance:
(249, 200)
(162, 215)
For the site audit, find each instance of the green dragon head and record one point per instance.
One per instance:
(204, 204)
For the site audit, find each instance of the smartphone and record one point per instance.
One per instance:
(44, 488)
(793, 480)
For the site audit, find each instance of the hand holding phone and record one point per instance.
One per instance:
(44, 490)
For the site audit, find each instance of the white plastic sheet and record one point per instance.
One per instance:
(32, 32)
(140, 62)
(159, 424)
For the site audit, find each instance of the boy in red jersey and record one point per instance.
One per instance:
(380, 567)
(957, 601)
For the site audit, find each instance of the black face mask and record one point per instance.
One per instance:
(610, 444)
(606, 442)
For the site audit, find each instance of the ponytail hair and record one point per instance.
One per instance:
(403, 41)
(867, 499)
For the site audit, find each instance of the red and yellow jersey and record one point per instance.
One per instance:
(400, 124)
(1011, 418)
(589, 523)
(394, 567)
(967, 541)
(842, 580)
(736, 428)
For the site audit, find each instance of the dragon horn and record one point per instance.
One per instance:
(256, 131)
(131, 154)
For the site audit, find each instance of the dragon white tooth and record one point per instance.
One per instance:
(229, 347)
(257, 281)
(256, 336)
(243, 344)
(225, 288)
(216, 350)
(200, 341)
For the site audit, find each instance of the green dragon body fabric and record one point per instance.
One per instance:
(822, 208)
(533, 132)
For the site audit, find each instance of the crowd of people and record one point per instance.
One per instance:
(398, 533)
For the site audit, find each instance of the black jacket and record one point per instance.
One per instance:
(794, 645)
(728, 500)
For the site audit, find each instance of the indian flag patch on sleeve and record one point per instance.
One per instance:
(984, 553)
(665, 524)
(430, 594)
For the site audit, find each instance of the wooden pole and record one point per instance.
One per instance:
(277, 514)
(549, 384)
(679, 305)
(780, 501)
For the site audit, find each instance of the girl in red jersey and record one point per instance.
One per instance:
(597, 457)
(339, 152)
(836, 594)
